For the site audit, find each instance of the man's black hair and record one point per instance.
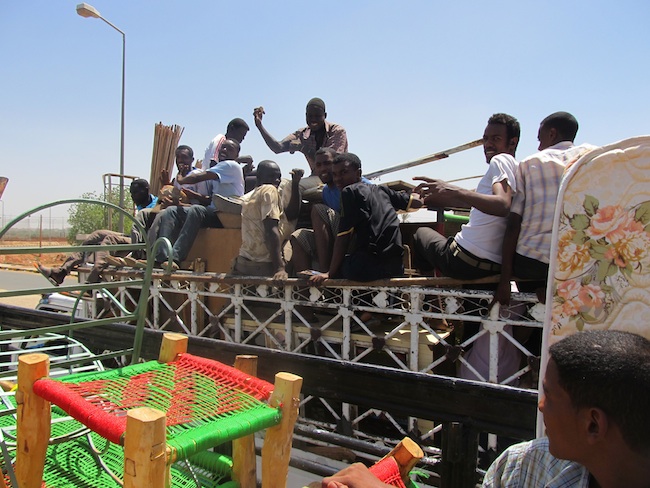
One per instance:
(235, 143)
(185, 148)
(512, 125)
(350, 158)
(266, 165)
(236, 124)
(609, 370)
(326, 150)
(140, 182)
(564, 123)
(316, 102)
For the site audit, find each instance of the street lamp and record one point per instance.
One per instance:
(86, 10)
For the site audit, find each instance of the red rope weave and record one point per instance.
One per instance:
(102, 405)
(387, 470)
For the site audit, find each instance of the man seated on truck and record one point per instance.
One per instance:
(526, 246)
(595, 401)
(475, 251)
(145, 204)
(261, 251)
(102, 237)
(368, 245)
(226, 178)
(174, 194)
(236, 130)
(318, 242)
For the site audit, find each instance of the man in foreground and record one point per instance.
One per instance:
(595, 401)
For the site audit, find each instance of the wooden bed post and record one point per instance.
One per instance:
(145, 446)
(276, 451)
(172, 345)
(33, 425)
(243, 449)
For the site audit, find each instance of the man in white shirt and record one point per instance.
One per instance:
(226, 178)
(475, 252)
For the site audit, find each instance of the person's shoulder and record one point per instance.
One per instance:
(228, 165)
(217, 138)
(510, 466)
(333, 127)
(504, 159)
(358, 187)
(267, 189)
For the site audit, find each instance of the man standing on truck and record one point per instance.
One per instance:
(318, 133)
(527, 241)
(475, 252)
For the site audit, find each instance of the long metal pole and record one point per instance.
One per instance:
(122, 133)
(426, 159)
(121, 222)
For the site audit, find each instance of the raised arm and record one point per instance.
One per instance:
(292, 211)
(274, 145)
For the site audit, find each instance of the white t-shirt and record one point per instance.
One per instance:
(212, 151)
(231, 179)
(483, 234)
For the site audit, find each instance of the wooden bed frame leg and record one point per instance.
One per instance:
(172, 345)
(276, 451)
(33, 427)
(145, 459)
(243, 449)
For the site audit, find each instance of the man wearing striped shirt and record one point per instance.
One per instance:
(527, 240)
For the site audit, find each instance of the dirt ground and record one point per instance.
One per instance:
(27, 259)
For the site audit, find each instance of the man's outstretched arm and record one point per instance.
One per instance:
(196, 177)
(354, 476)
(438, 193)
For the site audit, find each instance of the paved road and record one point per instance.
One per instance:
(21, 280)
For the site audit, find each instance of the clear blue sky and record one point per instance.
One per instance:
(405, 79)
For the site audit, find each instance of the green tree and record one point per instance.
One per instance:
(84, 218)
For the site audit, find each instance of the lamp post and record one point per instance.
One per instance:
(86, 10)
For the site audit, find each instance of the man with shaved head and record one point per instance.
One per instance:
(260, 253)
